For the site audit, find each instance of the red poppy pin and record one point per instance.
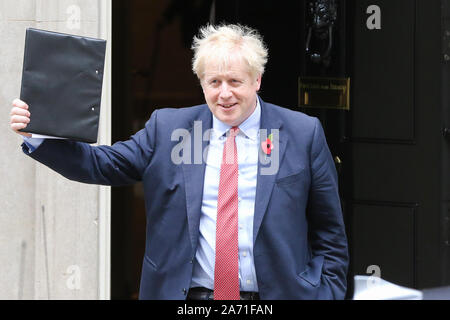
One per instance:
(267, 145)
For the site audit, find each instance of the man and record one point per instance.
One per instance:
(257, 215)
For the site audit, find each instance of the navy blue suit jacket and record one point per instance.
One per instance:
(300, 246)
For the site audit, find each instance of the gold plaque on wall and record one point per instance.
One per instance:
(326, 93)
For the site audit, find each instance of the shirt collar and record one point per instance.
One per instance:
(249, 127)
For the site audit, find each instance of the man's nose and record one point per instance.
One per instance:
(225, 91)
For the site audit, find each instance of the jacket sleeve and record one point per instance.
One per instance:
(326, 225)
(120, 164)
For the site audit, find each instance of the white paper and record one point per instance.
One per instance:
(374, 288)
(33, 135)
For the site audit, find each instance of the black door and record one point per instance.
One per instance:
(397, 143)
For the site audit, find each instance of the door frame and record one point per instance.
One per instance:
(104, 219)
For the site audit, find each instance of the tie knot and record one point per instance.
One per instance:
(234, 131)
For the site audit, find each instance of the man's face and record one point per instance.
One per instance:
(230, 92)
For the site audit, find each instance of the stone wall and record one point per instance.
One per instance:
(53, 232)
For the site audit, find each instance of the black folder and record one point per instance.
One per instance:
(62, 84)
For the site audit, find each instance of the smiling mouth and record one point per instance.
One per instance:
(228, 106)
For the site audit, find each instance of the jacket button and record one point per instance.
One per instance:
(184, 291)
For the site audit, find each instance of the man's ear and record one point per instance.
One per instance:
(201, 85)
(258, 82)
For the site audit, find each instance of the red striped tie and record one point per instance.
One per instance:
(226, 272)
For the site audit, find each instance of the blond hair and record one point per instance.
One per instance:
(223, 43)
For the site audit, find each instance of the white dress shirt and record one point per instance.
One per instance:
(247, 143)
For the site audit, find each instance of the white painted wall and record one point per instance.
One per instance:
(54, 233)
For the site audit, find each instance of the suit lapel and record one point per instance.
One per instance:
(265, 182)
(194, 174)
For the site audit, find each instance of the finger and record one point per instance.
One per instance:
(20, 112)
(18, 126)
(20, 119)
(20, 104)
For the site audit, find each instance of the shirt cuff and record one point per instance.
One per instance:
(32, 143)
